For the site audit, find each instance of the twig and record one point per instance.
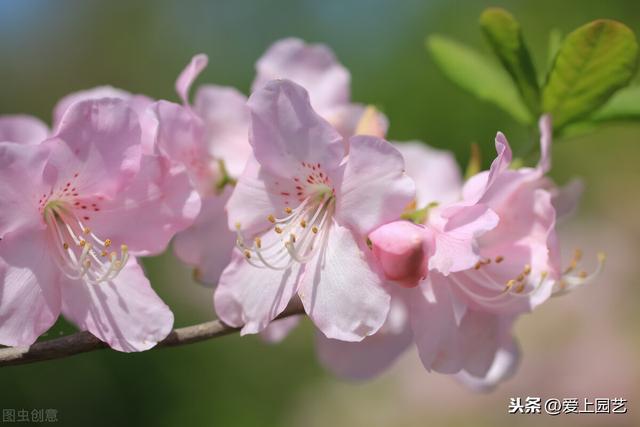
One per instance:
(83, 342)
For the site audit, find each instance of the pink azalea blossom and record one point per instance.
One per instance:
(460, 317)
(219, 151)
(302, 209)
(22, 129)
(70, 221)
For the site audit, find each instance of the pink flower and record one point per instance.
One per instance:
(70, 221)
(218, 152)
(302, 209)
(22, 129)
(460, 317)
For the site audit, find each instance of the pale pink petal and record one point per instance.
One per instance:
(208, 243)
(226, 118)
(125, 312)
(313, 66)
(252, 296)
(433, 321)
(22, 129)
(341, 293)
(285, 131)
(566, 199)
(96, 148)
(504, 365)
(375, 190)
(478, 185)
(29, 294)
(22, 190)
(161, 196)
(256, 196)
(371, 356)
(189, 74)
(435, 172)
(279, 329)
(180, 138)
(456, 245)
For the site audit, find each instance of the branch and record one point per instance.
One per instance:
(83, 342)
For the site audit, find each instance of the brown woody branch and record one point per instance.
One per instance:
(83, 342)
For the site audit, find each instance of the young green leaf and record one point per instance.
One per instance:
(624, 105)
(593, 62)
(505, 36)
(473, 72)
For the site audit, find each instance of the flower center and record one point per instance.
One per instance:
(80, 254)
(294, 237)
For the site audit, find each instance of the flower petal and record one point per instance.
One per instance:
(29, 294)
(22, 129)
(285, 131)
(226, 119)
(22, 189)
(125, 312)
(371, 356)
(341, 293)
(96, 147)
(164, 197)
(252, 296)
(312, 66)
(208, 243)
(279, 329)
(189, 74)
(504, 365)
(375, 190)
(435, 172)
(254, 198)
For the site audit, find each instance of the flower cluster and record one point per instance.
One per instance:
(291, 196)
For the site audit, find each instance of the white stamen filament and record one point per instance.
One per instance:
(294, 237)
(80, 253)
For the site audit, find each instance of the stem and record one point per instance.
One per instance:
(83, 342)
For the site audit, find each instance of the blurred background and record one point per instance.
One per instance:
(583, 345)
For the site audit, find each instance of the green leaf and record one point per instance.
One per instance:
(593, 62)
(624, 105)
(473, 72)
(505, 36)
(555, 41)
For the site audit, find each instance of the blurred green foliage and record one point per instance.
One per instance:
(52, 48)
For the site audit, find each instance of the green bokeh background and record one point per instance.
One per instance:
(51, 48)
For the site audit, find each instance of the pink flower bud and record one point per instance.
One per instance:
(403, 250)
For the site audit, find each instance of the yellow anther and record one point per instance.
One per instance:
(103, 253)
(577, 255)
(303, 223)
(543, 275)
(87, 263)
(314, 229)
(478, 265)
(288, 210)
(520, 277)
(258, 242)
(278, 229)
(499, 259)
(520, 288)
(237, 225)
(86, 230)
(582, 275)
(527, 269)
(82, 243)
(107, 243)
(272, 219)
(247, 254)
(65, 245)
(510, 284)
(602, 256)
(124, 248)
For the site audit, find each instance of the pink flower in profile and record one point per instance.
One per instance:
(302, 209)
(70, 222)
(219, 151)
(488, 272)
